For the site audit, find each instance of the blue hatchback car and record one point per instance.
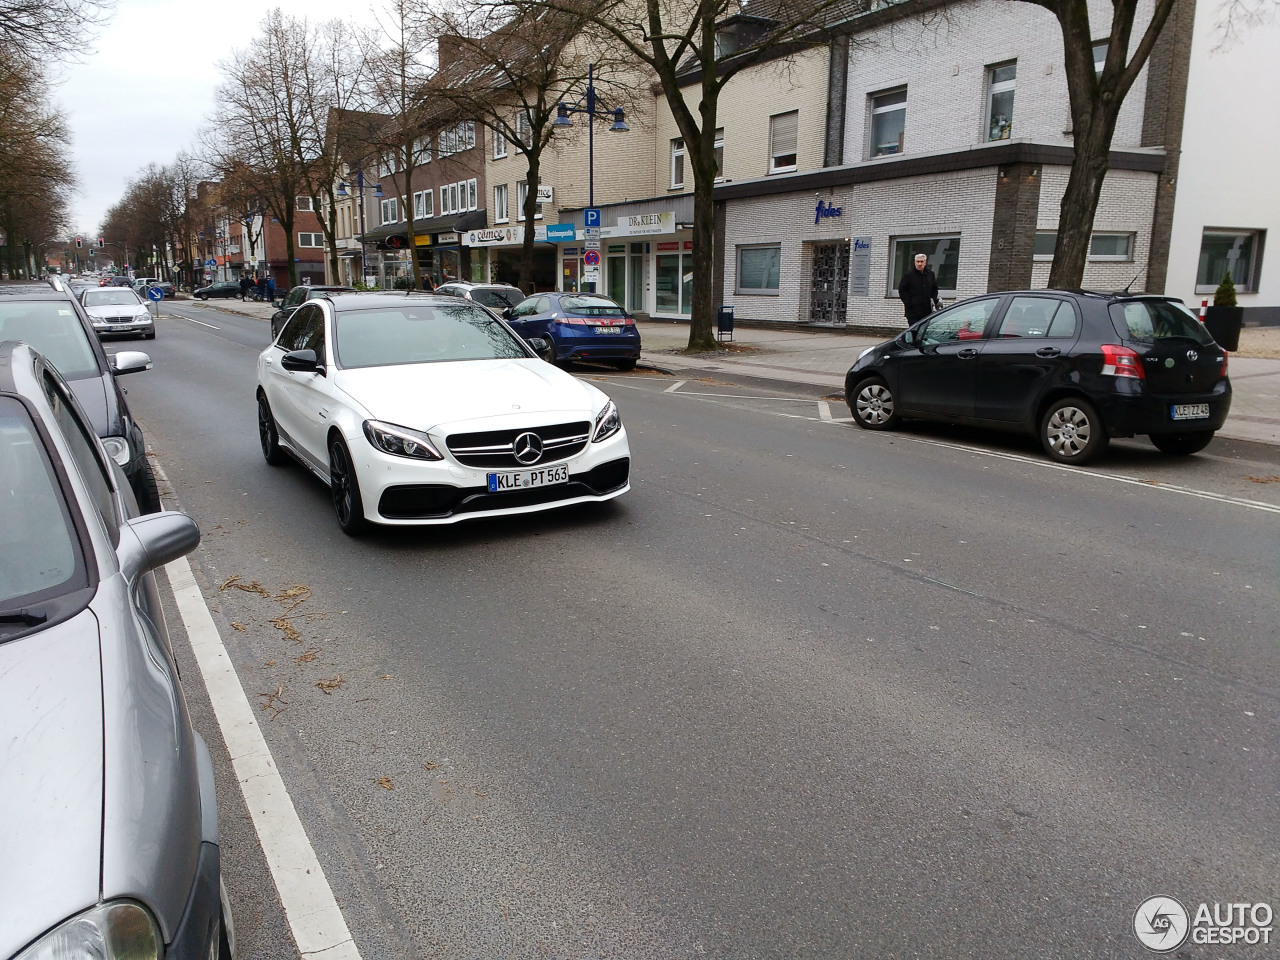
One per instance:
(579, 326)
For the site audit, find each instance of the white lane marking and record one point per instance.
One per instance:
(202, 323)
(675, 386)
(315, 920)
(824, 411)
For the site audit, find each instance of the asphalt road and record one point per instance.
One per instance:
(804, 692)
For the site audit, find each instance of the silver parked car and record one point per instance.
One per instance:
(118, 311)
(108, 818)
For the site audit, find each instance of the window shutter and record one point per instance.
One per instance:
(783, 133)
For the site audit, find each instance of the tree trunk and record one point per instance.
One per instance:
(407, 199)
(1079, 205)
(702, 162)
(288, 247)
(530, 208)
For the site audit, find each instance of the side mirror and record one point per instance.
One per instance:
(153, 540)
(129, 361)
(300, 361)
(543, 348)
(278, 304)
(508, 313)
(909, 337)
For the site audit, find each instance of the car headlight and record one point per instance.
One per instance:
(118, 447)
(122, 930)
(608, 422)
(865, 352)
(400, 441)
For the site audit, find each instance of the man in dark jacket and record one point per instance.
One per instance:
(245, 284)
(919, 290)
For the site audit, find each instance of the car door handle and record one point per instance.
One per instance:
(968, 353)
(324, 414)
(1048, 352)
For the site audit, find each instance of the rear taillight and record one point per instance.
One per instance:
(628, 321)
(1223, 372)
(1120, 361)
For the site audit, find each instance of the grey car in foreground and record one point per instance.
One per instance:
(108, 817)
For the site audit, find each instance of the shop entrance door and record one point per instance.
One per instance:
(570, 275)
(616, 280)
(829, 300)
(637, 278)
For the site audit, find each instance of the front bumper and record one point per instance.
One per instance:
(1131, 410)
(401, 492)
(124, 328)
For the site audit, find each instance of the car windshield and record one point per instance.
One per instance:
(38, 547)
(52, 327)
(1154, 320)
(591, 307)
(421, 333)
(497, 298)
(110, 298)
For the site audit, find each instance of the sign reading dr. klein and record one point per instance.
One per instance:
(642, 225)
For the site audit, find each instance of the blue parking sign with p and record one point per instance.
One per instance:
(591, 217)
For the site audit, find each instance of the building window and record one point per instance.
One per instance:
(305, 204)
(311, 239)
(521, 192)
(455, 204)
(1000, 83)
(473, 195)
(1100, 55)
(888, 123)
(783, 132)
(677, 164)
(1045, 245)
(423, 204)
(524, 127)
(944, 260)
(391, 210)
(422, 149)
(1239, 251)
(500, 204)
(759, 269)
(719, 149)
(1111, 246)
(499, 144)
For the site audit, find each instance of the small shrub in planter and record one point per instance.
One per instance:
(1224, 319)
(404, 283)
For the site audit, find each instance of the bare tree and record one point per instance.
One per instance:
(398, 65)
(35, 31)
(710, 41)
(510, 75)
(1096, 98)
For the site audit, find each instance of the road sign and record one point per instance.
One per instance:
(591, 233)
(591, 217)
(211, 263)
(155, 294)
(591, 276)
(590, 244)
(591, 258)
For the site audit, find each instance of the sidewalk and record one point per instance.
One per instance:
(820, 358)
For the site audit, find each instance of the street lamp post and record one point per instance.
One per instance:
(377, 192)
(590, 106)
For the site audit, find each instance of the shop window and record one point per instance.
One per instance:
(783, 135)
(1045, 245)
(500, 204)
(677, 164)
(944, 260)
(1111, 246)
(759, 269)
(1238, 251)
(888, 123)
(1000, 84)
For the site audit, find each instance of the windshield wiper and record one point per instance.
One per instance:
(25, 617)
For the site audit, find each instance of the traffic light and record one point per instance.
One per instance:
(79, 243)
(101, 243)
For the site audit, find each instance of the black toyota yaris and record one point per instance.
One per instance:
(1075, 368)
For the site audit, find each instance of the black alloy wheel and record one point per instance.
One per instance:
(872, 405)
(268, 435)
(345, 487)
(1072, 432)
(202, 296)
(1182, 444)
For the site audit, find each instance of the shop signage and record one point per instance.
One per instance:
(669, 245)
(860, 268)
(502, 235)
(826, 211)
(642, 225)
(571, 251)
(422, 240)
(545, 194)
(560, 232)
(617, 248)
(447, 238)
(688, 245)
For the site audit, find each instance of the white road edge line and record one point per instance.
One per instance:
(675, 386)
(315, 920)
(202, 323)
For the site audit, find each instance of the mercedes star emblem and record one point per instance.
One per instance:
(527, 448)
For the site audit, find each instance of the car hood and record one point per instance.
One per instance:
(51, 761)
(426, 395)
(115, 310)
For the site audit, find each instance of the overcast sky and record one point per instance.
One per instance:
(143, 93)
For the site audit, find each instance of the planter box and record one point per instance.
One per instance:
(1223, 324)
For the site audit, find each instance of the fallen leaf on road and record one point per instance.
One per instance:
(386, 676)
(272, 699)
(269, 663)
(385, 783)
(239, 626)
(328, 686)
(308, 656)
(431, 766)
(235, 583)
(290, 632)
(1263, 479)
(298, 593)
